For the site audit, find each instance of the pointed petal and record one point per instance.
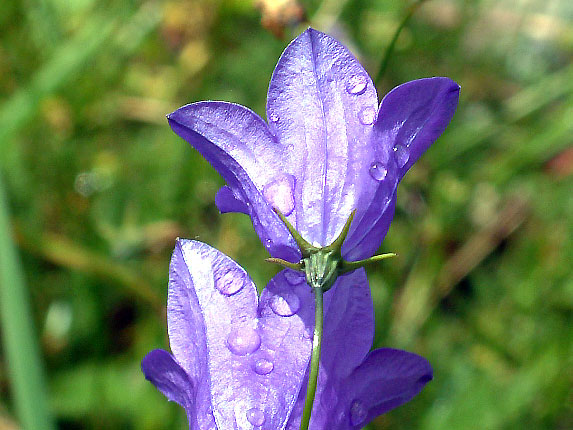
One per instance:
(248, 359)
(226, 201)
(387, 379)
(161, 369)
(239, 145)
(411, 117)
(323, 104)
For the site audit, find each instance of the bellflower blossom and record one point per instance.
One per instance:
(239, 361)
(327, 148)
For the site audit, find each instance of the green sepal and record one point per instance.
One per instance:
(322, 266)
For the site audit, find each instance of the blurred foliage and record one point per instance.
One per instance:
(99, 187)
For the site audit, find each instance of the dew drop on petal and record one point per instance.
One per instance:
(402, 155)
(358, 413)
(378, 171)
(285, 304)
(273, 117)
(279, 193)
(230, 283)
(367, 116)
(293, 277)
(263, 366)
(256, 417)
(357, 84)
(243, 340)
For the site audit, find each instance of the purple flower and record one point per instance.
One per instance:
(328, 148)
(239, 362)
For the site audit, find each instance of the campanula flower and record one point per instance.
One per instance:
(326, 149)
(325, 165)
(239, 361)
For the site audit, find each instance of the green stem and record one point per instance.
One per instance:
(390, 49)
(314, 361)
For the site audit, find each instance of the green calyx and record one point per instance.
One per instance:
(323, 265)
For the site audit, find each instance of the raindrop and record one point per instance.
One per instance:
(230, 283)
(357, 84)
(358, 413)
(402, 155)
(286, 304)
(367, 115)
(243, 340)
(263, 366)
(378, 171)
(256, 417)
(294, 278)
(279, 193)
(273, 117)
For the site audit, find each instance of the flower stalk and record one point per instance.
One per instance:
(315, 359)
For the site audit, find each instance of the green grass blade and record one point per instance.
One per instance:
(18, 335)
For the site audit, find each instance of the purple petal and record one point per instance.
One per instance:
(411, 117)
(348, 324)
(239, 145)
(160, 368)
(248, 359)
(387, 379)
(226, 201)
(322, 104)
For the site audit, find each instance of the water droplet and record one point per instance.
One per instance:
(285, 304)
(367, 115)
(263, 366)
(268, 243)
(279, 193)
(378, 171)
(357, 84)
(243, 340)
(358, 413)
(273, 117)
(230, 283)
(256, 417)
(293, 277)
(402, 155)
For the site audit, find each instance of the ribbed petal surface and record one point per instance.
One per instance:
(246, 359)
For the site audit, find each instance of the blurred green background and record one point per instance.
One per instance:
(98, 187)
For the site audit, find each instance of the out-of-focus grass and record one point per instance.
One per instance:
(20, 344)
(99, 188)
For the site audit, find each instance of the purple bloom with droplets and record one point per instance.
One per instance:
(239, 361)
(327, 149)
